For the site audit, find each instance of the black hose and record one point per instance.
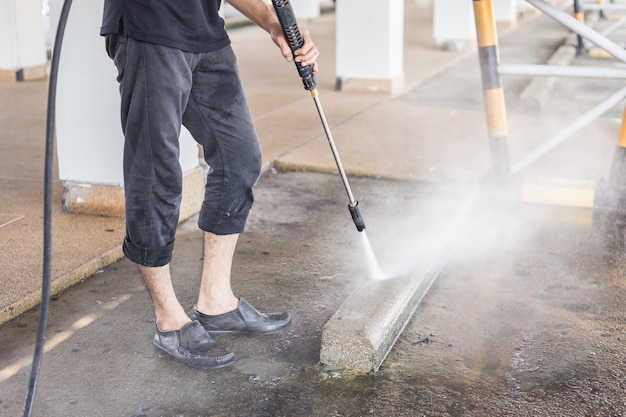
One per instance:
(47, 211)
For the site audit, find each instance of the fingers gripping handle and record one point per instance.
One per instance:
(288, 22)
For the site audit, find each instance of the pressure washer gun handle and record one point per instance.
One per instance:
(288, 22)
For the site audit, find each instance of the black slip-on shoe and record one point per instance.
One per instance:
(244, 320)
(193, 346)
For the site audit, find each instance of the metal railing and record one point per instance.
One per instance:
(492, 70)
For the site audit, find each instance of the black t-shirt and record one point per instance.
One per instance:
(189, 25)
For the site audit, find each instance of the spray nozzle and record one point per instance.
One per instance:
(357, 217)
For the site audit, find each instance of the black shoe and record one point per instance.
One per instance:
(245, 320)
(193, 346)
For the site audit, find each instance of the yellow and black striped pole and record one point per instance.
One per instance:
(609, 202)
(492, 88)
(617, 174)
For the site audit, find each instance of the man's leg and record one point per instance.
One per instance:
(154, 88)
(219, 119)
(170, 315)
(216, 294)
(218, 310)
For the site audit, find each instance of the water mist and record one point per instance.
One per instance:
(435, 222)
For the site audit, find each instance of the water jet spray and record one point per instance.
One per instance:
(289, 24)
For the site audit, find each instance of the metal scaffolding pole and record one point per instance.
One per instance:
(604, 7)
(561, 71)
(615, 25)
(580, 28)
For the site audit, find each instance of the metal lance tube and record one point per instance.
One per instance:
(289, 24)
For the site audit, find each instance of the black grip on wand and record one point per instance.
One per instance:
(288, 22)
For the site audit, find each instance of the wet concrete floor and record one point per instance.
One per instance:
(527, 318)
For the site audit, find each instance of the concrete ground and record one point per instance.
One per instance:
(525, 319)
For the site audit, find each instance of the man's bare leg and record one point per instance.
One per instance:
(176, 334)
(170, 315)
(216, 295)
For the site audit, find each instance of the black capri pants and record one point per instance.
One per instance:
(161, 89)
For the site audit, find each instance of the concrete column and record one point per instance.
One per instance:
(453, 24)
(505, 12)
(22, 42)
(89, 135)
(306, 9)
(370, 44)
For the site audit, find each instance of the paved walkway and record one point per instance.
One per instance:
(422, 144)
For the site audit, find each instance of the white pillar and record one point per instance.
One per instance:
(505, 11)
(22, 41)
(453, 24)
(89, 136)
(454, 27)
(306, 9)
(370, 45)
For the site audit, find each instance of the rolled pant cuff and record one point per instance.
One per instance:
(227, 224)
(148, 256)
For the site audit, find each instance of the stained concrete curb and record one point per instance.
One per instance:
(539, 90)
(361, 333)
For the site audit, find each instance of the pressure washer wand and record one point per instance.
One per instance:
(289, 24)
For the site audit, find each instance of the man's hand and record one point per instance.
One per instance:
(261, 14)
(306, 55)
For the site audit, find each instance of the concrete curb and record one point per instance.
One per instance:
(63, 282)
(537, 93)
(364, 329)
